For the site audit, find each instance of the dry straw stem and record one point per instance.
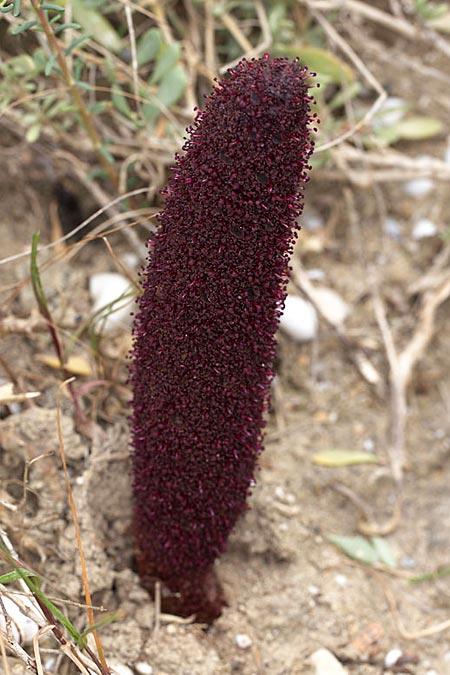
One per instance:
(363, 168)
(393, 606)
(402, 363)
(87, 593)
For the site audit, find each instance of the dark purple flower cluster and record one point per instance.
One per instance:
(204, 339)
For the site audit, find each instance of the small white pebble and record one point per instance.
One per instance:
(392, 657)
(283, 496)
(315, 274)
(120, 669)
(418, 187)
(368, 444)
(106, 288)
(313, 590)
(279, 492)
(407, 563)
(131, 260)
(283, 527)
(340, 579)
(424, 228)
(326, 663)
(431, 672)
(392, 227)
(311, 220)
(299, 319)
(243, 641)
(22, 627)
(332, 306)
(143, 668)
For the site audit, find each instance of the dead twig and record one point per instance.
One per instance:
(401, 365)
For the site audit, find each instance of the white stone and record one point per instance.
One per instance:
(22, 627)
(424, 228)
(311, 220)
(143, 668)
(120, 669)
(340, 579)
(108, 288)
(243, 641)
(299, 319)
(315, 274)
(418, 187)
(326, 663)
(392, 657)
(332, 306)
(392, 227)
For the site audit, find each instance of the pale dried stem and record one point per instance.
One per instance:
(401, 365)
(393, 605)
(210, 47)
(134, 63)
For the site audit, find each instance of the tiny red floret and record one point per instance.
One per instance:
(204, 335)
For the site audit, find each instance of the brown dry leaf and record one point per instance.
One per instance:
(77, 365)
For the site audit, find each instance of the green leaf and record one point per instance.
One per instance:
(76, 42)
(120, 102)
(148, 46)
(100, 28)
(329, 68)
(6, 9)
(49, 65)
(418, 128)
(172, 86)
(430, 576)
(35, 587)
(111, 618)
(384, 551)
(23, 65)
(65, 26)
(16, 10)
(25, 26)
(358, 548)
(333, 458)
(106, 154)
(169, 57)
(83, 85)
(52, 8)
(36, 278)
(170, 90)
(15, 576)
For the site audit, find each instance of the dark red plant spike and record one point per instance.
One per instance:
(204, 343)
